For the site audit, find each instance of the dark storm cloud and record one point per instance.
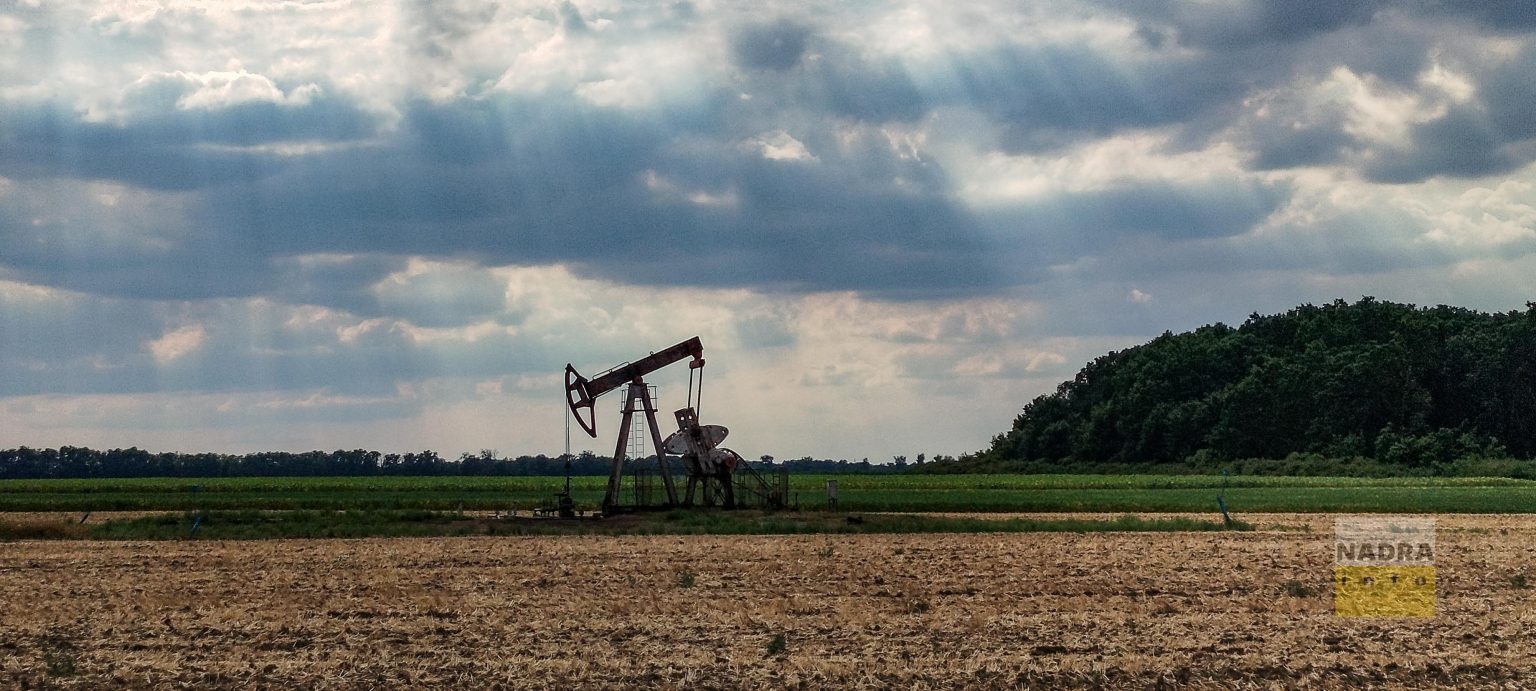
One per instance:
(772, 46)
(344, 282)
(1463, 143)
(840, 80)
(895, 245)
(52, 142)
(508, 181)
(1069, 226)
(49, 329)
(519, 179)
(524, 182)
(1506, 15)
(1469, 140)
(197, 268)
(236, 368)
(1362, 242)
(56, 233)
(571, 20)
(850, 86)
(43, 350)
(1260, 47)
(186, 274)
(164, 108)
(437, 27)
(1173, 212)
(1046, 98)
(680, 194)
(1491, 134)
(248, 353)
(1229, 25)
(1510, 96)
(1293, 147)
(168, 147)
(1293, 134)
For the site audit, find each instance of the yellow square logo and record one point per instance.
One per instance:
(1384, 591)
(1384, 566)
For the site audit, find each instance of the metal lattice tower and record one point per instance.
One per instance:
(639, 432)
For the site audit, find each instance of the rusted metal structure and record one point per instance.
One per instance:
(714, 473)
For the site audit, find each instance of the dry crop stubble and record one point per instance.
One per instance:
(924, 610)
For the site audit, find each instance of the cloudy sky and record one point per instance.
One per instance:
(254, 225)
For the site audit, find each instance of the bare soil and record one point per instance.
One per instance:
(1181, 610)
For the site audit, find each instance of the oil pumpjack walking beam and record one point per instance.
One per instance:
(581, 393)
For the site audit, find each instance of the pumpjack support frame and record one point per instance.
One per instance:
(637, 392)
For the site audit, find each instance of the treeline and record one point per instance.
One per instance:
(80, 462)
(1375, 383)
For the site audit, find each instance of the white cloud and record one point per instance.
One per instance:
(177, 344)
(1486, 217)
(224, 89)
(991, 178)
(779, 145)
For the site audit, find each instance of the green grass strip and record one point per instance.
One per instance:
(865, 493)
(250, 525)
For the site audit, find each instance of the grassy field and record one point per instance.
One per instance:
(252, 524)
(918, 493)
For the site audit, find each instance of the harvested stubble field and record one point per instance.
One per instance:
(1217, 610)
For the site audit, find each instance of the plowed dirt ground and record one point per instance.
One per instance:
(1193, 610)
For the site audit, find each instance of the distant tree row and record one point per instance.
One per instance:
(80, 462)
(806, 464)
(1398, 384)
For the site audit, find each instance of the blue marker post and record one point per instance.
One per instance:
(197, 520)
(1221, 500)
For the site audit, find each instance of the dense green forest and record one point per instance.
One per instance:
(1371, 382)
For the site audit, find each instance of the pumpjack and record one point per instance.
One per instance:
(711, 469)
